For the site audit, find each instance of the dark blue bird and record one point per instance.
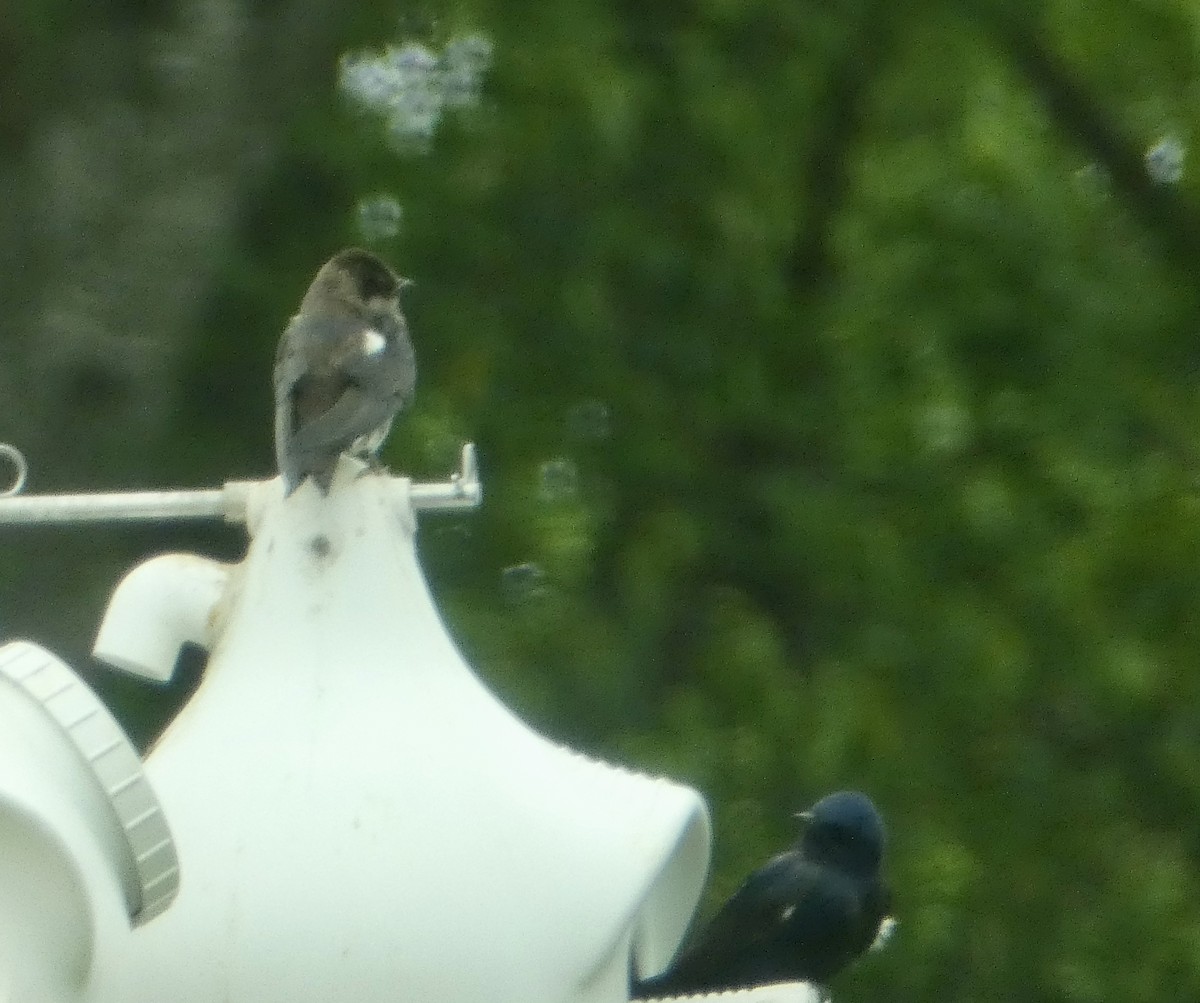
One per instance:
(802, 917)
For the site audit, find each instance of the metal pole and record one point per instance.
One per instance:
(125, 506)
(462, 491)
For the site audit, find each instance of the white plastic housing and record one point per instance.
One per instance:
(159, 606)
(359, 818)
(80, 830)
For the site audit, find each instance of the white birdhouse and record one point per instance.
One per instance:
(341, 811)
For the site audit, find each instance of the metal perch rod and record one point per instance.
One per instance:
(462, 491)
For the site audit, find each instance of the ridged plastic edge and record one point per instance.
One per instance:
(112, 759)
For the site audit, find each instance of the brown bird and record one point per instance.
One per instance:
(343, 370)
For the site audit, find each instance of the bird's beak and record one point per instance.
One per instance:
(803, 816)
(406, 283)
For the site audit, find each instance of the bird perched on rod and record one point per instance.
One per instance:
(802, 917)
(343, 369)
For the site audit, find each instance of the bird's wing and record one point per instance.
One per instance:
(290, 366)
(338, 378)
(353, 413)
(325, 381)
(380, 359)
(290, 361)
(749, 919)
(792, 919)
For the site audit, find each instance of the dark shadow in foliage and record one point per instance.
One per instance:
(826, 176)
(1169, 217)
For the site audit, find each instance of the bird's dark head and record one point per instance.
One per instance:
(356, 278)
(844, 829)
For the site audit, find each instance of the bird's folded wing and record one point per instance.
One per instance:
(752, 915)
(391, 373)
(354, 413)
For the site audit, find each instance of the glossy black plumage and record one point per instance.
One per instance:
(803, 916)
(344, 368)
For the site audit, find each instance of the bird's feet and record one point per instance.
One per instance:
(374, 466)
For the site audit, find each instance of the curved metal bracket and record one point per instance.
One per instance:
(20, 470)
